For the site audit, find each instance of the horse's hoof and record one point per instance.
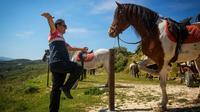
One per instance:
(161, 108)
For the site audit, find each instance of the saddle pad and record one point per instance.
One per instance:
(88, 58)
(194, 34)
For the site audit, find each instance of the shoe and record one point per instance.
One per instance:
(67, 93)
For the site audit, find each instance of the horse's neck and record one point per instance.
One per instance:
(143, 20)
(149, 39)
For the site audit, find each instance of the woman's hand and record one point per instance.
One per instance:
(47, 15)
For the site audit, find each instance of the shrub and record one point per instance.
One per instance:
(94, 91)
(121, 58)
(120, 62)
(31, 89)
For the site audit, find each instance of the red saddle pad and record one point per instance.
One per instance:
(194, 34)
(88, 58)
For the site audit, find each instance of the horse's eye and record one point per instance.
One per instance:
(120, 12)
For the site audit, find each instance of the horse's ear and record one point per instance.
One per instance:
(118, 4)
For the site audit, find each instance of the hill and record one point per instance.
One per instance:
(5, 58)
(22, 68)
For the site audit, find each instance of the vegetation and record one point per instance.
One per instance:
(23, 85)
(121, 58)
(22, 68)
(94, 91)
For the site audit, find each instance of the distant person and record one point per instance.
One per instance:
(134, 69)
(92, 71)
(60, 63)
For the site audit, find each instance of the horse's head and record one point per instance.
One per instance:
(120, 22)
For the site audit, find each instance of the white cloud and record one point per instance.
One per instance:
(110, 5)
(25, 34)
(78, 30)
(106, 6)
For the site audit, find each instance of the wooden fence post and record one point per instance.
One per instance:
(111, 81)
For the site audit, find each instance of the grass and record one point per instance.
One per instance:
(33, 96)
(30, 94)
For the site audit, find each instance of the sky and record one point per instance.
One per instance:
(24, 31)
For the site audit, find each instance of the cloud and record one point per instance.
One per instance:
(106, 6)
(78, 30)
(110, 5)
(80, 33)
(25, 34)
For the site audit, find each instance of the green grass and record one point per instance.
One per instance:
(32, 95)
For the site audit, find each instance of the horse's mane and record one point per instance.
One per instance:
(145, 15)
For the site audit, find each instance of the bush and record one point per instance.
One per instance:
(94, 91)
(121, 58)
(120, 62)
(31, 89)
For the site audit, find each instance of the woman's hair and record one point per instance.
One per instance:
(58, 22)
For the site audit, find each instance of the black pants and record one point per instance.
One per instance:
(59, 71)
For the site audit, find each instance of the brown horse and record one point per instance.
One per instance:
(154, 40)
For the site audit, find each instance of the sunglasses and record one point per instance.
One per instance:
(65, 26)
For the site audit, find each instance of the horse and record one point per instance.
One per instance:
(100, 58)
(133, 67)
(155, 42)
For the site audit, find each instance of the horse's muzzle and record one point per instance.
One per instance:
(112, 32)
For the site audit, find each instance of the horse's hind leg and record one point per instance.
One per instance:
(163, 79)
(197, 65)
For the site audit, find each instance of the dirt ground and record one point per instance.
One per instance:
(144, 98)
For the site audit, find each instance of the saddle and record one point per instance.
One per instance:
(192, 33)
(85, 57)
(181, 33)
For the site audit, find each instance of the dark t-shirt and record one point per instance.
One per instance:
(57, 47)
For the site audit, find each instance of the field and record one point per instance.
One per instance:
(24, 89)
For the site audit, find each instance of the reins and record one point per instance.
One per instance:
(119, 39)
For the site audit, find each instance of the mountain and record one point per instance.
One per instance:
(5, 58)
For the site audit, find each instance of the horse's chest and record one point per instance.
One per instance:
(156, 53)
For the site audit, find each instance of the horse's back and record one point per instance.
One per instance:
(101, 51)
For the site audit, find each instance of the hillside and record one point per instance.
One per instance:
(5, 58)
(22, 68)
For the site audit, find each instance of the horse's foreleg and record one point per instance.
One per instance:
(163, 79)
(106, 66)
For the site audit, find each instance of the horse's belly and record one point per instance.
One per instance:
(90, 65)
(189, 52)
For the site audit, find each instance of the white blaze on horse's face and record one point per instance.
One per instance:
(120, 23)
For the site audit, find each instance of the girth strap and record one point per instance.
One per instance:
(180, 32)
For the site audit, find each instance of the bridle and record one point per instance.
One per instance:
(119, 31)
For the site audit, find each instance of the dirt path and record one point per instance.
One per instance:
(144, 98)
